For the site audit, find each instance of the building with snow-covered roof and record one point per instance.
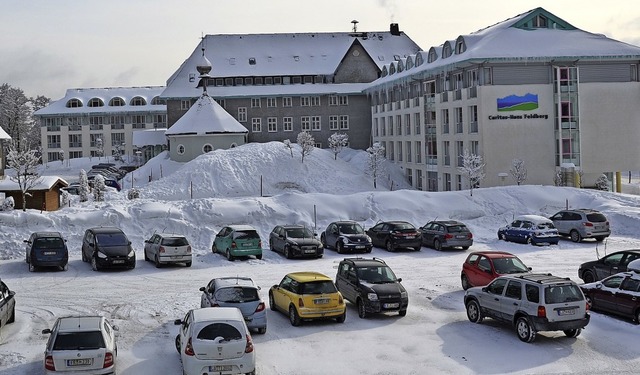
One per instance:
(533, 88)
(88, 121)
(43, 195)
(277, 85)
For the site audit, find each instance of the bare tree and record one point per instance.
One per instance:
(84, 186)
(15, 115)
(518, 171)
(472, 168)
(25, 164)
(337, 141)
(557, 179)
(306, 143)
(99, 188)
(289, 145)
(375, 164)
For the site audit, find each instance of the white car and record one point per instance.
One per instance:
(164, 248)
(81, 345)
(215, 341)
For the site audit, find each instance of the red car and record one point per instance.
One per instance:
(481, 267)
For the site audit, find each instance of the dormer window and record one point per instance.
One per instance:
(433, 55)
(157, 101)
(74, 103)
(540, 21)
(252, 61)
(446, 50)
(95, 102)
(460, 46)
(116, 102)
(138, 101)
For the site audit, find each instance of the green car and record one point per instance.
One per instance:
(238, 241)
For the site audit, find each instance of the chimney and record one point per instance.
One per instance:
(394, 29)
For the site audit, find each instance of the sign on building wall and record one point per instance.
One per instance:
(527, 102)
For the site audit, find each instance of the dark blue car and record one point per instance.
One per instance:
(46, 249)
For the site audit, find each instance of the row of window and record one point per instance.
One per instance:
(405, 124)
(114, 102)
(251, 81)
(412, 151)
(97, 122)
(75, 140)
(418, 182)
(287, 101)
(305, 123)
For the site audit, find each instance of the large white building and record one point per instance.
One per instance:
(91, 121)
(533, 88)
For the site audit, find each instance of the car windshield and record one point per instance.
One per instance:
(403, 226)
(457, 228)
(237, 295)
(353, 228)
(219, 332)
(299, 233)
(246, 234)
(175, 241)
(112, 239)
(505, 266)
(596, 218)
(318, 287)
(548, 225)
(376, 275)
(562, 293)
(79, 341)
(48, 243)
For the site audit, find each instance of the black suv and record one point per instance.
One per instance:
(372, 286)
(107, 247)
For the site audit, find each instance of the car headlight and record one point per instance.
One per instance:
(101, 255)
(131, 254)
(345, 240)
(404, 294)
(372, 296)
(368, 239)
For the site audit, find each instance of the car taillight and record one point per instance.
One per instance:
(448, 236)
(188, 249)
(161, 249)
(260, 244)
(249, 347)
(300, 302)
(542, 312)
(48, 363)
(108, 360)
(233, 245)
(260, 307)
(587, 224)
(188, 350)
(588, 306)
(470, 235)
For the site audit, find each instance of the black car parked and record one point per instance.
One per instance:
(443, 234)
(346, 236)
(393, 235)
(608, 265)
(295, 241)
(107, 247)
(46, 249)
(372, 286)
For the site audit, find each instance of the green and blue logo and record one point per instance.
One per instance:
(527, 102)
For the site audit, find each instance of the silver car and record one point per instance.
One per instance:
(7, 305)
(163, 248)
(240, 292)
(582, 223)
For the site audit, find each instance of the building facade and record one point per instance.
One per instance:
(277, 85)
(532, 88)
(91, 122)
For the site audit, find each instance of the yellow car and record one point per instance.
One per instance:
(307, 295)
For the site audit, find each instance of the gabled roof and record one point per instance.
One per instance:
(206, 116)
(250, 55)
(521, 39)
(45, 183)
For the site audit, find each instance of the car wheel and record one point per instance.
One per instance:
(64, 268)
(287, 252)
(390, 247)
(465, 282)
(214, 249)
(84, 258)
(588, 277)
(32, 268)
(339, 247)
(572, 332)
(437, 245)
(229, 256)
(146, 257)
(323, 240)
(259, 256)
(473, 311)
(188, 264)
(272, 302)
(157, 262)
(262, 330)
(178, 343)
(271, 245)
(294, 318)
(502, 236)
(402, 312)
(525, 331)
(342, 317)
(637, 316)
(600, 238)
(362, 312)
(94, 263)
(575, 236)
(465, 247)
(12, 318)
(529, 241)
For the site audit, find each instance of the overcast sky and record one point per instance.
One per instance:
(48, 46)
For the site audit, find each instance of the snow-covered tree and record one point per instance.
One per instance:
(84, 186)
(100, 146)
(375, 164)
(602, 182)
(99, 188)
(306, 143)
(518, 171)
(61, 153)
(557, 179)
(24, 162)
(65, 197)
(472, 168)
(289, 145)
(337, 141)
(7, 204)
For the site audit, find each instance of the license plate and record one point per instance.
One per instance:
(49, 253)
(219, 368)
(360, 247)
(176, 257)
(118, 261)
(461, 236)
(80, 362)
(310, 251)
(246, 244)
(567, 312)
(321, 301)
(410, 237)
(391, 305)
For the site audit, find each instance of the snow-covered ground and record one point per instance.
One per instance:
(434, 338)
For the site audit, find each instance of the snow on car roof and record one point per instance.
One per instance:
(217, 313)
(79, 323)
(536, 219)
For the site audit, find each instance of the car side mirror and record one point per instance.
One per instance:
(25, 241)
(529, 268)
(276, 286)
(177, 322)
(146, 241)
(46, 331)
(399, 279)
(202, 289)
(115, 328)
(484, 289)
(11, 293)
(599, 285)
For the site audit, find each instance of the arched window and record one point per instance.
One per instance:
(433, 55)
(138, 100)
(74, 103)
(461, 46)
(409, 63)
(207, 148)
(419, 59)
(385, 71)
(446, 50)
(95, 102)
(116, 102)
(157, 101)
(181, 149)
(392, 68)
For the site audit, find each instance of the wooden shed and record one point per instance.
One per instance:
(45, 195)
